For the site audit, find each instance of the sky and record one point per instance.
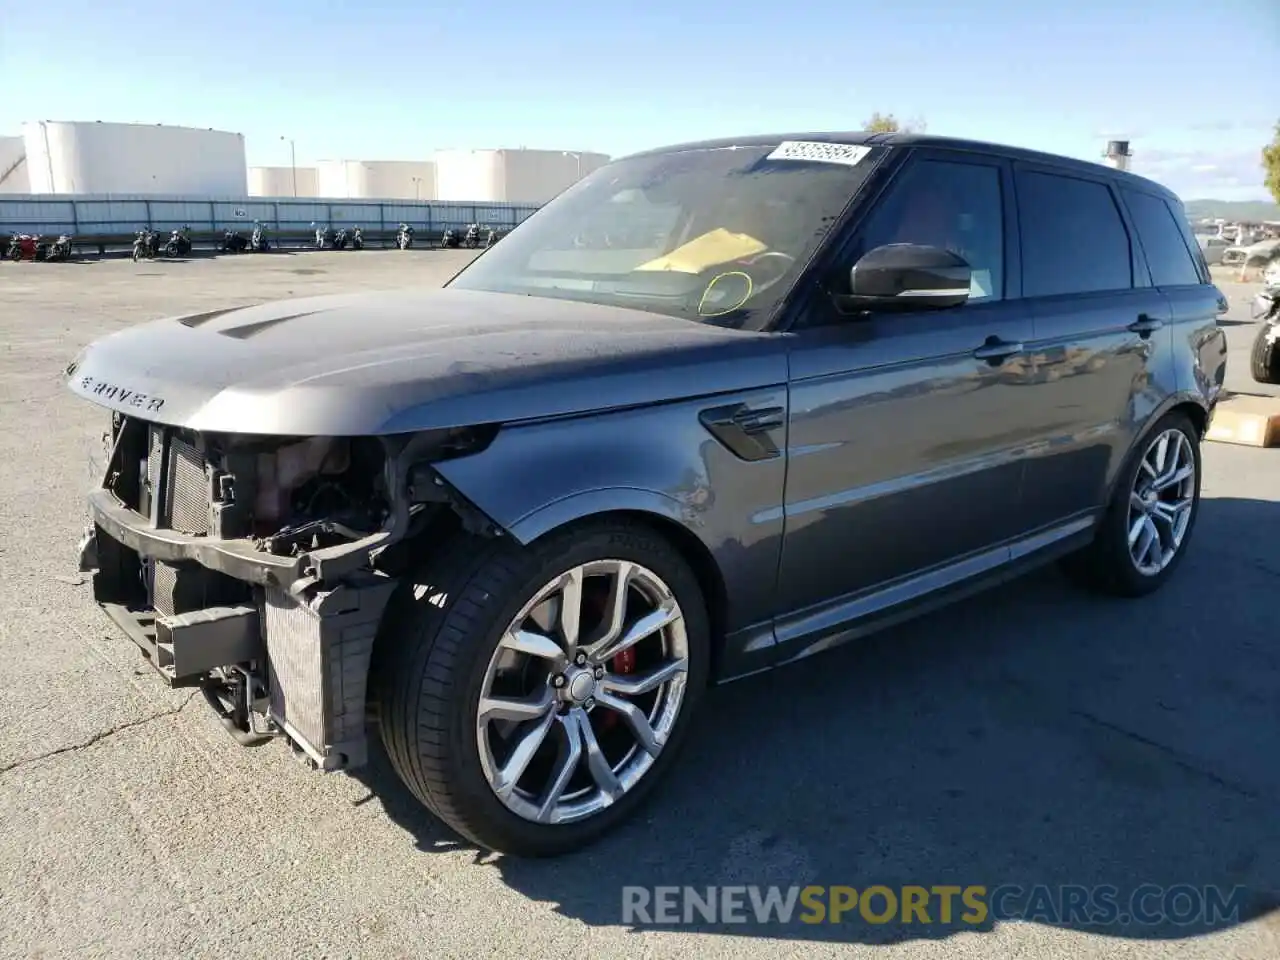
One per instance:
(1192, 85)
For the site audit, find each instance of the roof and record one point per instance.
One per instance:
(915, 140)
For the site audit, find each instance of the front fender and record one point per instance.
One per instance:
(658, 460)
(589, 503)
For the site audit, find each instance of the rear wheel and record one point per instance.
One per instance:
(532, 697)
(1144, 533)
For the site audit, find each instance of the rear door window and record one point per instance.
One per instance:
(1168, 258)
(1073, 237)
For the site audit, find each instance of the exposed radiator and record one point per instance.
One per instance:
(184, 500)
(296, 666)
(317, 661)
(163, 581)
(186, 497)
(177, 475)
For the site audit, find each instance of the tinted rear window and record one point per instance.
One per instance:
(1188, 235)
(1170, 261)
(1073, 239)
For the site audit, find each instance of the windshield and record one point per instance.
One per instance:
(716, 235)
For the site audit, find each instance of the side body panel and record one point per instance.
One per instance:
(1105, 383)
(1103, 374)
(661, 461)
(906, 448)
(914, 471)
(1200, 355)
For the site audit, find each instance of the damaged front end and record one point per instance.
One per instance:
(257, 568)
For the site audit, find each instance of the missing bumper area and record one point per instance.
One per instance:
(256, 569)
(270, 660)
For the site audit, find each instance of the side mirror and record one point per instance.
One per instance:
(907, 276)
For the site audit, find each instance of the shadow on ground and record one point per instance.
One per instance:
(1036, 736)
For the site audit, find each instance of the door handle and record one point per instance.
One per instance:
(1145, 325)
(996, 351)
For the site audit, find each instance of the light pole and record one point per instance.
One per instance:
(578, 164)
(293, 163)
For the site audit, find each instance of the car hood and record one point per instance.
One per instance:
(370, 364)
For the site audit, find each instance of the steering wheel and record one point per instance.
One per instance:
(768, 268)
(732, 284)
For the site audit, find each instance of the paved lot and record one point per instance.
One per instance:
(1035, 736)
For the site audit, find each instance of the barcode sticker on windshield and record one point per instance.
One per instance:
(850, 154)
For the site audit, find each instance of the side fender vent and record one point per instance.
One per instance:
(743, 430)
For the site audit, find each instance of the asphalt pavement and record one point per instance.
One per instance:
(1033, 736)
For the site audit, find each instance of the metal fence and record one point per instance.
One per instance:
(112, 215)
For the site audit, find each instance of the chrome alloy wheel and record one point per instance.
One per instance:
(582, 692)
(1161, 502)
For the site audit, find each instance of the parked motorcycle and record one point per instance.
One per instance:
(472, 238)
(357, 239)
(449, 240)
(33, 247)
(404, 237)
(179, 243)
(323, 236)
(1264, 358)
(26, 246)
(144, 245)
(258, 241)
(490, 238)
(233, 241)
(341, 239)
(60, 250)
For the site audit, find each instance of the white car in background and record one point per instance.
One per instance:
(1212, 247)
(1254, 255)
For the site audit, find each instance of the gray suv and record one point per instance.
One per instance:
(715, 408)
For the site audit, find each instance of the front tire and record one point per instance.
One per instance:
(1144, 533)
(538, 704)
(1264, 358)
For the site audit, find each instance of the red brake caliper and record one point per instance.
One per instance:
(624, 662)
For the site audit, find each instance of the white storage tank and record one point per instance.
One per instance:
(376, 179)
(511, 176)
(13, 166)
(134, 158)
(283, 182)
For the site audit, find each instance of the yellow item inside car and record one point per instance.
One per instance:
(711, 249)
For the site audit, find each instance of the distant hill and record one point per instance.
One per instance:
(1247, 210)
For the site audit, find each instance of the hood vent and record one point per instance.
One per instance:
(253, 329)
(197, 319)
